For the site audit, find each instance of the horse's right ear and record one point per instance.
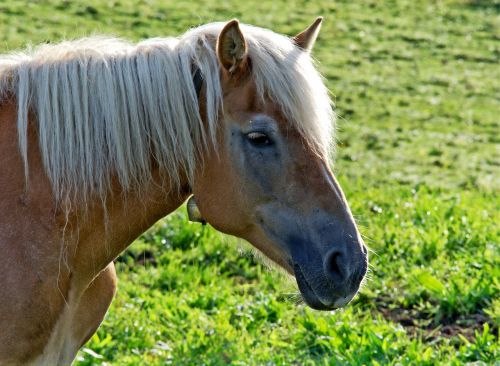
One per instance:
(232, 47)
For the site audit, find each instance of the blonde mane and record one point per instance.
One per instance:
(106, 108)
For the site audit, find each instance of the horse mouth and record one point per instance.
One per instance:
(311, 298)
(308, 294)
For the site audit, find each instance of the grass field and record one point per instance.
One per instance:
(417, 90)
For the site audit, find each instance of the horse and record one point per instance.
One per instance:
(101, 137)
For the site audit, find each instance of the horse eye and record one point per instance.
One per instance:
(259, 138)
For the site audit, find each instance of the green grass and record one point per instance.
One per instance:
(416, 84)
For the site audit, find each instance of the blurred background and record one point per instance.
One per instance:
(416, 86)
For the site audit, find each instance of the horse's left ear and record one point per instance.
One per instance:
(306, 38)
(232, 47)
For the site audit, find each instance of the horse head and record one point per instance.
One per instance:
(267, 181)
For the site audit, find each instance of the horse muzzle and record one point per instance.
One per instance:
(331, 281)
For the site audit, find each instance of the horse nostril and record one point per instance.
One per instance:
(335, 266)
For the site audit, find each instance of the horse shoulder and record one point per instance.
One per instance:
(32, 287)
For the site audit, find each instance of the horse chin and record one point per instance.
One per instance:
(311, 298)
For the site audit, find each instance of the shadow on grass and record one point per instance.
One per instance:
(490, 5)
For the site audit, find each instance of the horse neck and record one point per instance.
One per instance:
(82, 237)
(100, 232)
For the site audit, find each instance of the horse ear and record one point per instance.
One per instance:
(232, 47)
(306, 38)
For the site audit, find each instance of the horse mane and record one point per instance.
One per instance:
(104, 106)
